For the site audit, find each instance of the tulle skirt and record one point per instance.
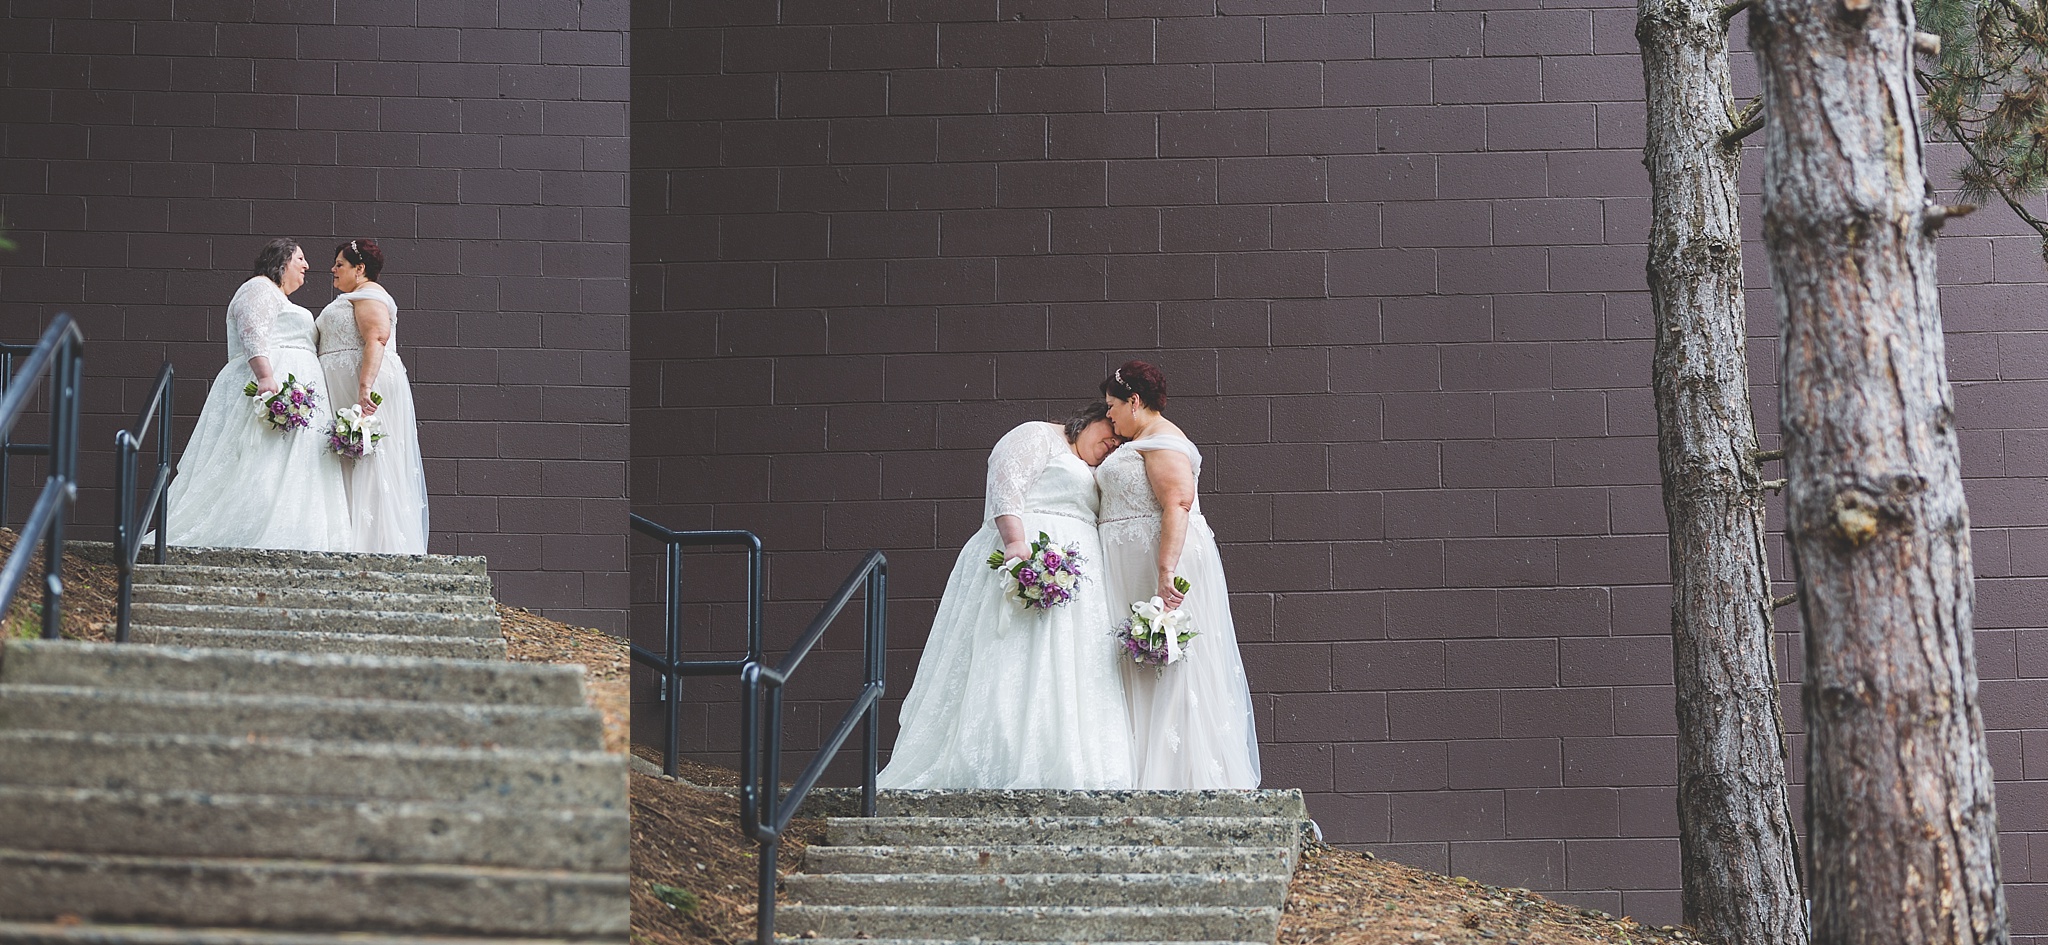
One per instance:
(387, 490)
(1191, 722)
(1010, 698)
(242, 484)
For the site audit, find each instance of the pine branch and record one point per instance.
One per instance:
(1936, 215)
(1746, 124)
(1777, 602)
(1728, 10)
(1765, 456)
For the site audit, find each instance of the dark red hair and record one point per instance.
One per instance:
(1137, 379)
(363, 253)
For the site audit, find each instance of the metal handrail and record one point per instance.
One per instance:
(61, 350)
(765, 812)
(129, 526)
(8, 448)
(669, 664)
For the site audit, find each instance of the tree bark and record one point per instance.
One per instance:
(1737, 847)
(1901, 822)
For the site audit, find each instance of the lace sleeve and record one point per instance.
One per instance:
(253, 314)
(1015, 464)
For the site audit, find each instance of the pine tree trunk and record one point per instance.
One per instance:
(1902, 829)
(1737, 847)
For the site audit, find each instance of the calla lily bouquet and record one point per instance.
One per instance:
(1046, 578)
(354, 435)
(1155, 635)
(291, 408)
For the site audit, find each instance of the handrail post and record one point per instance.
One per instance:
(65, 374)
(771, 795)
(877, 607)
(163, 468)
(672, 681)
(756, 593)
(129, 522)
(7, 436)
(124, 529)
(765, 896)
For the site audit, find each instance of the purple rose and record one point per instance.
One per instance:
(1027, 576)
(1052, 560)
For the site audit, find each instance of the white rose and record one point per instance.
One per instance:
(1033, 591)
(1063, 579)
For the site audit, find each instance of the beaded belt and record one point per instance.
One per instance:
(1078, 518)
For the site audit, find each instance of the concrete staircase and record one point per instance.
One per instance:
(320, 746)
(1051, 866)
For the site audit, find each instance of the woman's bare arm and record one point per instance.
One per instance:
(373, 322)
(1173, 484)
(1011, 529)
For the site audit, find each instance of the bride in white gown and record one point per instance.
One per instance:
(1007, 697)
(1191, 721)
(240, 483)
(387, 489)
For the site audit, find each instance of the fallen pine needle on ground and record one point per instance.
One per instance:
(531, 638)
(695, 874)
(1342, 897)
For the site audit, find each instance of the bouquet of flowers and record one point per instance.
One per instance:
(354, 435)
(1046, 578)
(1154, 634)
(291, 408)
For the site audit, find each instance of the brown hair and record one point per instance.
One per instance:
(273, 257)
(363, 253)
(1137, 379)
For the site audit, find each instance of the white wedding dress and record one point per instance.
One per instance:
(240, 483)
(387, 490)
(1010, 698)
(1191, 722)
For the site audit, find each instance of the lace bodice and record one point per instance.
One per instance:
(1126, 492)
(337, 321)
(1033, 469)
(261, 319)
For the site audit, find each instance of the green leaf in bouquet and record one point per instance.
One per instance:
(1181, 584)
(376, 399)
(995, 560)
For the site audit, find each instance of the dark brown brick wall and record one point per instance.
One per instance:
(151, 146)
(1391, 258)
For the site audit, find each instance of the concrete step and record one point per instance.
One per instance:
(326, 621)
(326, 560)
(314, 598)
(403, 678)
(309, 641)
(1011, 858)
(390, 582)
(1063, 831)
(309, 894)
(1049, 803)
(84, 709)
(1034, 923)
(1057, 889)
(70, 933)
(209, 824)
(171, 763)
